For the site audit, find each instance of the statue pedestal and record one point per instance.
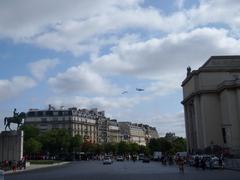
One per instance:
(11, 145)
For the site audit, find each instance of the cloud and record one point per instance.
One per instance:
(101, 102)
(165, 58)
(169, 123)
(40, 67)
(15, 86)
(81, 28)
(81, 79)
(161, 61)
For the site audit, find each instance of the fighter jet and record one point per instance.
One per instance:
(139, 89)
(124, 92)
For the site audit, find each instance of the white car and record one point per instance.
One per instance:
(213, 163)
(107, 160)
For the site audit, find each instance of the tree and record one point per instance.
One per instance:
(144, 150)
(30, 132)
(133, 148)
(110, 148)
(154, 145)
(160, 144)
(56, 141)
(179, 145)
(76, 143)
(122, 148)
(32, 146)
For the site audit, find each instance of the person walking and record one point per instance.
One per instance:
(180, 162)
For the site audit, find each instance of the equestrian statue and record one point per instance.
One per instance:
(16, 119)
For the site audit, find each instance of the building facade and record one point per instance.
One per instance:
(211, 99)
(137, 133)
(92, 125)
(77, 121)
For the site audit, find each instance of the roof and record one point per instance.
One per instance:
(217, 64)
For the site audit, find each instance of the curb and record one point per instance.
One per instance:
(36, 168)
(232, 169)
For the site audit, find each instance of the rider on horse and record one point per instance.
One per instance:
(17, 119)
(15, 114)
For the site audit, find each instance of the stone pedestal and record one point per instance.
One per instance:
(11, 145)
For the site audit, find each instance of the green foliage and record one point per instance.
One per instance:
(122, 148)
(110, 147)
(32, 146)
(30, 132)
(56, 141)
(76, 143)
(179, 145)
(133, 148)
(168, 145)
(88, 147)
(144, 150)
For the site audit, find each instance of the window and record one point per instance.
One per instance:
(55, 113)
(43, 120)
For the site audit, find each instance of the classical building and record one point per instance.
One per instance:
(92, 125)
(150, 132)
(137, 133)
(113, 131)
(77, 121)
(211, 99)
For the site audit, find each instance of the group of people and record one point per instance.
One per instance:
(13, 165)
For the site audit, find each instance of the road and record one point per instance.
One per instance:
(95, 170)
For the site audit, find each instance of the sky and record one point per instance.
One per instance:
(85, 53)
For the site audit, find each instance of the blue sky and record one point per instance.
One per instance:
(86, 53)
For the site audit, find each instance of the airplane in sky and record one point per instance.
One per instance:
(124, 92)
(139, 89)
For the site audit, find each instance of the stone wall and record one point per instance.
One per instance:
(11, 145)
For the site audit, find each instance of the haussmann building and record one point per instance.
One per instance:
(211, 99)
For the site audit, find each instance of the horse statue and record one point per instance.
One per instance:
(17, 119)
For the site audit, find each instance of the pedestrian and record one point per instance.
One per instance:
(203, 163)
(196, 160)
(180, 163)
(220, 162)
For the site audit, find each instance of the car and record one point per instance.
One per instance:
(107, 160)
(146, 160)
(120, 158)
(213, 163)
(141, 156)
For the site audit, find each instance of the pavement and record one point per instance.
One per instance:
(35, 167)
(127, 170)
(232, 164)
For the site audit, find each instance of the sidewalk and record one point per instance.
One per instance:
(36, 166)
(232, 164)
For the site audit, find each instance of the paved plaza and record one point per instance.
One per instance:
(95, 170)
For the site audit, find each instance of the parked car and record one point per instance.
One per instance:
(107, 160)
(120, 158)
(146, 160)
(141, 156)
(214, 163)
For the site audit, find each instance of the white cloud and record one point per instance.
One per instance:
(78, 28)
(81, 79)
(15, 86)
(101, 102)
(169, 123)
(40, 67)
(162, 61)
(167, 57)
